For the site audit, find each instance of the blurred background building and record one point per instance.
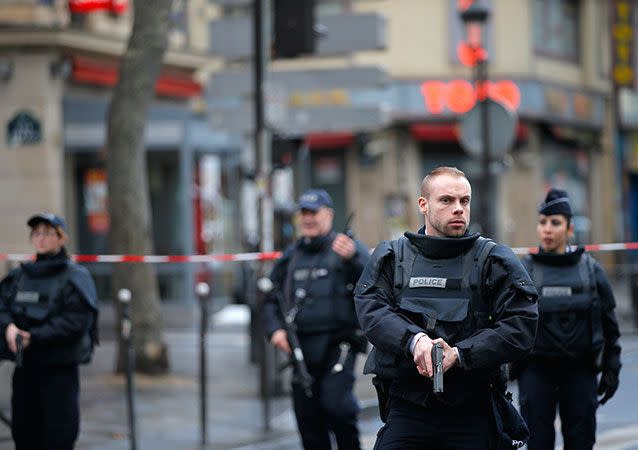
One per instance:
(364, 116)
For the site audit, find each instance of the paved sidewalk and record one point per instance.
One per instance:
(168, 406)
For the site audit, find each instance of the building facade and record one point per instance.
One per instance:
(60, 68)
(555, 54)
(365, 117)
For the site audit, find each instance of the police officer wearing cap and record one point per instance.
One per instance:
(445, 285)
(577, 336)
(316, 276)
(48, 320)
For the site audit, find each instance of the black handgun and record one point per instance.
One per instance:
(437, 366)
(19, 350)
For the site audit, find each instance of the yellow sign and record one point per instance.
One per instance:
(331, 97)
(622, 36)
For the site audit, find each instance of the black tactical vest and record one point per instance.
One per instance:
(317, 285)
(35, 300)
(569, 310)
(442, 295)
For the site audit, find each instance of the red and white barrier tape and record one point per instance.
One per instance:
(229, 257)
(590, 248)
(224, 257)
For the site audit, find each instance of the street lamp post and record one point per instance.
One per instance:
(475, 18)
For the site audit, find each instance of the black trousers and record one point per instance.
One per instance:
(45, 408)
(332, 408)
(437, 427)
(569, 386)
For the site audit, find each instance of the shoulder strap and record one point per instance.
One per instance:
(482, 249)
(287, 287)
(404, 257)
(536, 273)
(587, 273)
(62, 281)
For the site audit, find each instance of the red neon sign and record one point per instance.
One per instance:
(89, 6)
(459, 96)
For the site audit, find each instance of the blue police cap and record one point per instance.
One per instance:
(313, 199)
(50, 218)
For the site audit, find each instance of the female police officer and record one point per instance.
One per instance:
(50, 305)
(577, 336)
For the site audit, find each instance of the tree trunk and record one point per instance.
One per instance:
(129, 205)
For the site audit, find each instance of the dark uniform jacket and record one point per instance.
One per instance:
(509, 335)
(62, 332)
(584, 330)
(329, 293)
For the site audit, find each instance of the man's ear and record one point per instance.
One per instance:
(423, 205)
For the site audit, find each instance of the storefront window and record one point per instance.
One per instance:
(556, 28)
(93, 219)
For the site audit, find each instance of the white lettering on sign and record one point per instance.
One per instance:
(417, 282)
(557, 291)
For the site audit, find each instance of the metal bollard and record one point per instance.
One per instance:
(202, 290)
(266, 364)
(124, 296)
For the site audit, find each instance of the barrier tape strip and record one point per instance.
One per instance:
(223, 257)
(257, 256)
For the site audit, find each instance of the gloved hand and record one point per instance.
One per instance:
(608, 386)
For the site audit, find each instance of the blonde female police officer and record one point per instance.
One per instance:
(51, 304)
(577, 336)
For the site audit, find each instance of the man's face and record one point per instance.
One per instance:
(447, 208)
(45, 239)
(553, 232)
(316, 223)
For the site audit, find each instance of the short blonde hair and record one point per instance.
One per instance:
(441, 170)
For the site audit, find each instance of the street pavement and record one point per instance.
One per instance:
(167, 407)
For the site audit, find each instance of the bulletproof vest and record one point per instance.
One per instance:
(36, 300)
(317, 285)
(569, 310)
(442, 295)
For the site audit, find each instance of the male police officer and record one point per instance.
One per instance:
(443, 285)
(317, 275)
(577, 335)
(50, 305)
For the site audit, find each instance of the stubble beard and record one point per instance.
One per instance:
(444, 230)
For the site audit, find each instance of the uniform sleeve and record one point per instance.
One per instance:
(5, 314)
(72, 322)
(382, 325)
(272, 318)
(512, 296)
(611, 333)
